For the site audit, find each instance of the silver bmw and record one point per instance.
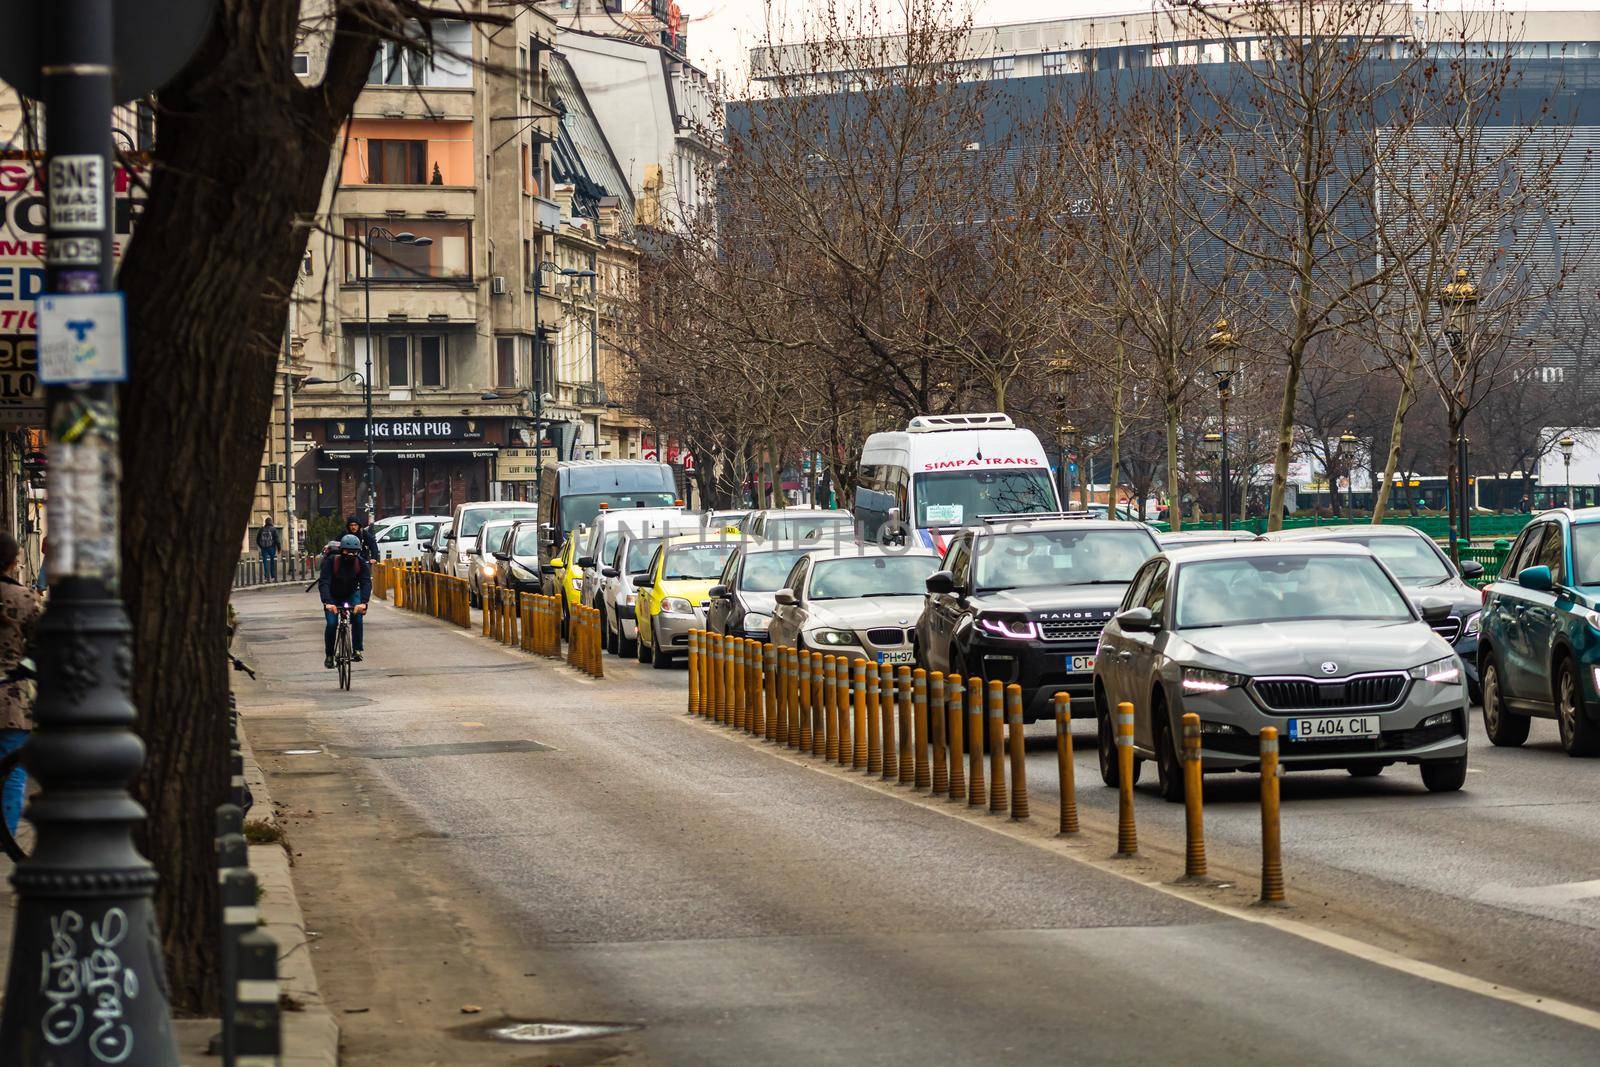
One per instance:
(1315, 638)
(861, 602)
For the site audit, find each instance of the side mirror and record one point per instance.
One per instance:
(1138, 621)
(608, 572)
(1471, 568)
(1433, 614)
(941, 583)
(642, 581)
(586, 562)
(1538, 579)
(503, 556)
(718, 592)
(451, 536)
(784, 597)
(547, 568)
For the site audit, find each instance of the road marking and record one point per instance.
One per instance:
(1075, 850)
(1560, 893)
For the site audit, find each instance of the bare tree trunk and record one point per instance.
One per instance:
(1112, 476)
(1174, 502)
(1284, 450)
(1402, 407)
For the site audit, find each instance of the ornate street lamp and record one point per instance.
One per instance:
(1567, 444)
(1223, 344)
(1348, 447)
(1211, 445)
(1459, 298)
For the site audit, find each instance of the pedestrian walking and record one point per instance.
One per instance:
(20, 608)
(270, 540)
(40, 581)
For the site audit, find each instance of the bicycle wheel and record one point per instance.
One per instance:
(342, 653)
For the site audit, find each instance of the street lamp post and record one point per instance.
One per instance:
(1348, 446)
(1211, 445)
(1223, 344)
(1068, 435)
(1459, 298)
(1567, 444)
(1058, 371)
(377, 233)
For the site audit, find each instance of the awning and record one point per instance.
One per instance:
(418, 452)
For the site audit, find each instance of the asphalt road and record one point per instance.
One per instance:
(477, 829)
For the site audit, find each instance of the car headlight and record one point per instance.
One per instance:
(1473, 625)
(676, 605)
(832, 637)
(1011, 627)
(757, 621)
(1201, 680)
(488, 570)
(1445, 671)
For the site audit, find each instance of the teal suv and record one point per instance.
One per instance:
(1539, 651)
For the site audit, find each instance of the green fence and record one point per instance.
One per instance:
(1435, 526)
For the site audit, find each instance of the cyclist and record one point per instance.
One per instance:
(358, 526)
(346, 579)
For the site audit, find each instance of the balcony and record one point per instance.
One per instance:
(421, 305)
(414, 102)
(400, 202)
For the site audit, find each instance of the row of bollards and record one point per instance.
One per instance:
(248, 961)
(584, 645)
(900, 724)
(405, 584)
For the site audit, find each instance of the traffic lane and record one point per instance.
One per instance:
(745, 908)
(1494, 880)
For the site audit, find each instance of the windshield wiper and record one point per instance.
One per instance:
(1101, 581)
(868, 596)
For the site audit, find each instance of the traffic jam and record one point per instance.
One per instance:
(1364, 647)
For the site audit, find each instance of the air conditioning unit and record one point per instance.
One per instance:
(497, 285)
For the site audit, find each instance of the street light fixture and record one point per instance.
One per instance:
(1211, 445)
(1349, 445)
(1067, 434)
(404, 237)
(1057, 373)
(1223, 344)
(1459, 298)
(1567, 444)
(538, 400)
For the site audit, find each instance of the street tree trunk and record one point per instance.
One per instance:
(1115, 459)
(1174, 502)
(1402, 407)
(240, 160)
(1284, 450)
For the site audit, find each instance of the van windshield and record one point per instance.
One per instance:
(581, 510)
(472, 521)
(955, 498)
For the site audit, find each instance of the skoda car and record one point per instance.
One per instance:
(861, 602)
(742, 600)
(1540, 648)
(1316, 638)
(673, 592)
(1025, 601)
(1426, 573)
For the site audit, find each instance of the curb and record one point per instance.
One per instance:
(310, 1034)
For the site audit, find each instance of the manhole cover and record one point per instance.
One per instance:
(460, 748)
(545, 1033)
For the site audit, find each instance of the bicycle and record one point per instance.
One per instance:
(344, 647)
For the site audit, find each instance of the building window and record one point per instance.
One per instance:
(505, 360)
(302, 63)
(447, 259)
(397, 162)
(430, 362)
(397, 361)
(1002, 66)
(1055, 62)
(446, 63)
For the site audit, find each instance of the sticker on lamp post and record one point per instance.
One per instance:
(82, 338)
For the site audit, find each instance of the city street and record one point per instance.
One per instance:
(483, 838)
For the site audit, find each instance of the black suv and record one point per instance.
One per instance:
(1025, 600)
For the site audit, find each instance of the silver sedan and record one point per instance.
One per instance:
(1316, 639)
(861, 602)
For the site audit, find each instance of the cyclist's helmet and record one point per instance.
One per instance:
(350, 543)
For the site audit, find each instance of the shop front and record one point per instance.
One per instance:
(424, 465)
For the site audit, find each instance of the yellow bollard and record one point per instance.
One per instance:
(1019, 765)
(874, 724)
(841, 697)
(791, 699)
(923, 776)
(886, 717)
(730, 695)
(752, 688)
(830, 746)
(1127, 836)
(858, 703)
(806, 657)
(694, 671)
(907, 766)
(936, 717)
(785, 681)
(821, 701)
(996, 741)
(977, 795)
(599, 646)
(739, 709)
(954, 691)
(1064, 768)
(1194, 854)
(1271, 843)
(769, 691)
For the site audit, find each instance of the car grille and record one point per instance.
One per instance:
(1312, 694)
(1449, 629)
(1071, 631)
(887, 635)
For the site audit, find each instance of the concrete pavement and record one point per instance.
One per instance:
(604, 859)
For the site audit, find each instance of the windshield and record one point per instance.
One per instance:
(1410, 558)
(1585, 553)
(764, 572)
(581, 510)
(492, 533)
(700, 563)
(473, 521)
(1231, 592)
(640, 549)
(843, 579)
(608, 546)
(808, 527)
(954, 498)
(1061, 557)
(527, 542)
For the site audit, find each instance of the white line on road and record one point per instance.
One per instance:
(1560, 893)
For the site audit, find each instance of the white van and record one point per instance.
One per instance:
(406, 536)
(943, 472)
(606, 532)
(468, 522)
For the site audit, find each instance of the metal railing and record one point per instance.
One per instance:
(286, 569)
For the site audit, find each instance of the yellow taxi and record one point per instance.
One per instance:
(674, 592)
(564, 574)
